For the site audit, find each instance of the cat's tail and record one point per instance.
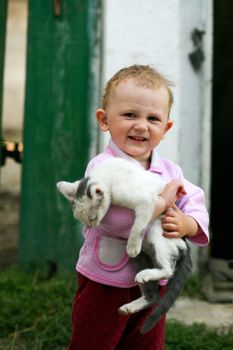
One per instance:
(174, 288)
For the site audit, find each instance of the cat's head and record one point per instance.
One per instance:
(90, 201)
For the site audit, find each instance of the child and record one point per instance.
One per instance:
(135, 111)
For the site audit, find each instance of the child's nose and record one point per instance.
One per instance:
(141, 126)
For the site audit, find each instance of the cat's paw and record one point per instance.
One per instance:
(127, 309)
(133, 249)
(124, 310)
(144, 276)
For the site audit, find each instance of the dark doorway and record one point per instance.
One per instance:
(222, 133)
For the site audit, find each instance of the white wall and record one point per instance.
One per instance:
(158, 33)
(143, 32)
(195, 93)
(13, 93)
(14, 69)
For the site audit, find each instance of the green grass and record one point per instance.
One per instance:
(35, 315)
(196, 337)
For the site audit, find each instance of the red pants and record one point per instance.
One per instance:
(97, 325)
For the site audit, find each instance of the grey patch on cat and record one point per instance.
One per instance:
(156, 263)
(82, 188)
(89, 191)
(143, 261)
(150, 289)
(151, 292)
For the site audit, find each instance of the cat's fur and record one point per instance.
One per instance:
(120, 182)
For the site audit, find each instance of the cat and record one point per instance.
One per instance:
(120, 182)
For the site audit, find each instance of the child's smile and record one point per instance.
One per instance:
(137, 138)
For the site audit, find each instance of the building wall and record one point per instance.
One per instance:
(14, 70)
(13, 93)
(143, 33)
(159, 33)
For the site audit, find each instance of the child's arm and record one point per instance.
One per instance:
(191, 218)
(192, 221)
(175, 223)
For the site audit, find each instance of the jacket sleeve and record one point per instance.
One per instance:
(193, 204)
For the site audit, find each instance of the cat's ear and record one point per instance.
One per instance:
(68, 189)
(97, 192)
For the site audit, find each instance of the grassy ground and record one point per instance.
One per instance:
(35, 315)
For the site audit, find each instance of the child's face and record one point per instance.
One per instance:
(136, 117)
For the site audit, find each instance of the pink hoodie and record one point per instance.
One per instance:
(103, 256)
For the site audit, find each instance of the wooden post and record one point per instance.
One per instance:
(3, 16)
(56, 129)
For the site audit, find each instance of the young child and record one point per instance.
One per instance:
(135, 110)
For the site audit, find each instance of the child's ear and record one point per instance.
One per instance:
(102, 119)
(168, 127)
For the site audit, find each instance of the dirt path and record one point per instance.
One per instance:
(192, 310)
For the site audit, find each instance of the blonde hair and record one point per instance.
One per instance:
(144, 75)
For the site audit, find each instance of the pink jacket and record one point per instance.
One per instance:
(103, 256)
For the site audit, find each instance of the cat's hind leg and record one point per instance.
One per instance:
(153, 275)
(133, 307)
(164, 270)
(150, 290)
(162, 252)
(150, 296)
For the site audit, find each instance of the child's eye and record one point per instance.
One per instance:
(153, 118)
(129, 115)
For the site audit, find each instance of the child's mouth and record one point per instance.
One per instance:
(137, 138)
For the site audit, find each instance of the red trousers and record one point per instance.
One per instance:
(97, 325)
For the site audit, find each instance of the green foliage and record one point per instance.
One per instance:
(35, 314)
(193, 286)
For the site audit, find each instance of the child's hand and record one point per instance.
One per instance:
(177, 225)
(173, 190)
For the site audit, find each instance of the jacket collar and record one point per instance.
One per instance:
(156, 163)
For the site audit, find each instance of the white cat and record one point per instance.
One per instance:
(117, 181)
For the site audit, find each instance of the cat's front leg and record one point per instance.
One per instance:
(143, 214)
(134, 246)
